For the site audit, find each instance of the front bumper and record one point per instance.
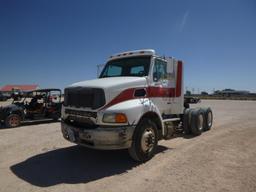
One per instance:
(99, 138)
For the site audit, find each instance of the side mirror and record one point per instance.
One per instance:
(155, 76)
(99, 69)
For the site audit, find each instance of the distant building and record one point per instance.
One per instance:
(231, 92)
(22, 88)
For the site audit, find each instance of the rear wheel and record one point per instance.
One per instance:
(13, 120)
(187, 121)
(208, 116)
(144, 141)
(197, 122)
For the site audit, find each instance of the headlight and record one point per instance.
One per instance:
(114, 118)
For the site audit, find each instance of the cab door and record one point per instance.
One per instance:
(159, 91)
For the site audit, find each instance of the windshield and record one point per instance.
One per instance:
(133, 66)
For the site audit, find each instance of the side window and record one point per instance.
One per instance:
(159, 71)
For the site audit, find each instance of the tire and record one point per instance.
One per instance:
(197, 122)
(55, 116)
(144, 142)
(187, 121)
(13, 120)
(208, 116)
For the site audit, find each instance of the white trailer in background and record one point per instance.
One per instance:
(136, 101)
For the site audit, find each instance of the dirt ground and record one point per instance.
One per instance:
(35, 157)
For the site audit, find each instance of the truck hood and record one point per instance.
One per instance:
(113, 86)
(112, 82)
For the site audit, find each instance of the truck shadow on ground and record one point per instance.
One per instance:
(186, 136)
(74, 165)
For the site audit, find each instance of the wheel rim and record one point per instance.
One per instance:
(148, 140)
(14, 121)
(200, 122)
(209, 118)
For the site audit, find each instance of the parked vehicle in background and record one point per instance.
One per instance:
(3, 97)
(16, 94)
(137, 101)
(35, 105)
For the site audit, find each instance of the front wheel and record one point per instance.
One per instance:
(144, 141)
(13, 120)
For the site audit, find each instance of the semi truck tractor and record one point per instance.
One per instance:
(136, 101)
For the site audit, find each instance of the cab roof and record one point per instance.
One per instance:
(141, 52)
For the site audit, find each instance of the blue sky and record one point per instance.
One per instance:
(56, 43)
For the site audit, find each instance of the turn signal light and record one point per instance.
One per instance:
(120, 118)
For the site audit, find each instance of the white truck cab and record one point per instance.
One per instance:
(137, 100)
